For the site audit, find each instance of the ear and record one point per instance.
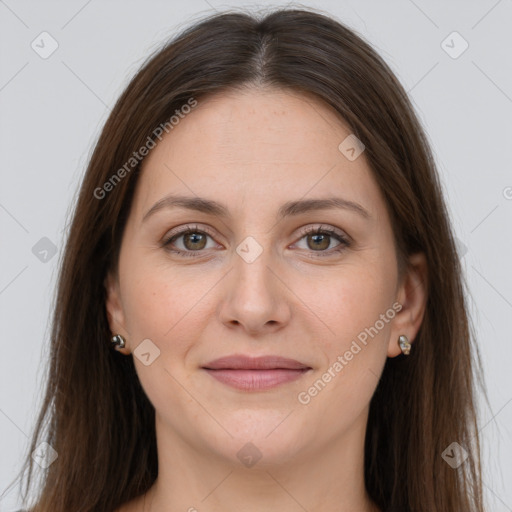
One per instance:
(115, 312)
(412, 295)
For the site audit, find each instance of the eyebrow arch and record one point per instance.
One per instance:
(288, 209)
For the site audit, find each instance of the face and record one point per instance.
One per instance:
(265, 272)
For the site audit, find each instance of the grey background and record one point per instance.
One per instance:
(52, 110)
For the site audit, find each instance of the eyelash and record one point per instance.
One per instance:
(344, 241)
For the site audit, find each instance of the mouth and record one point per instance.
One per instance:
(255, 373)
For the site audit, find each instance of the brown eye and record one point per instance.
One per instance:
(194, 241)
(318, 242)
(189, 242)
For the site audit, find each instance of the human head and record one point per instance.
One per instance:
(310, 55)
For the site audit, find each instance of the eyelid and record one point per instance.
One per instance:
(183, 230)
(344, 239)
(306, 230)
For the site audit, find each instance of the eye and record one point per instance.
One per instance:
(193, 241)
(319, 240)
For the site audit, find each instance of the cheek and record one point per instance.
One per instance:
(342, 388)
(158, 304)
(350, 302)
(170, 306)
(357, 307)
(160, 307)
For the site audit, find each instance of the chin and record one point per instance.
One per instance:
(267, 438)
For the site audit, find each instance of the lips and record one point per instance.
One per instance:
(241, 362)
(255, 373)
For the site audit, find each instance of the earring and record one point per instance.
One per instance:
(118, 341)
(405, 345)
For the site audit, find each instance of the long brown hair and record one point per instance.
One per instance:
(95, 414)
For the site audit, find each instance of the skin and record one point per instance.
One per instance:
(252, 151)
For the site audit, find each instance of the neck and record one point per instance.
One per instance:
(328, 478)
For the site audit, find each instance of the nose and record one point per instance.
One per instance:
(254, 296)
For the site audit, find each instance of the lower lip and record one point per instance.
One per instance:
(256, 380)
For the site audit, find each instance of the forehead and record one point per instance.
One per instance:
(258, 145)
(270, 124)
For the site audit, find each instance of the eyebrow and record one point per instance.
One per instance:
(290, 208)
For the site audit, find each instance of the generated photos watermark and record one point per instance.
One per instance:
(138, 156)
(305, 397)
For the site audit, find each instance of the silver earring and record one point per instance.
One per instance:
(118, 341)
(405, 345)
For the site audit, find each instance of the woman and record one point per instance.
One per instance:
(262, 236)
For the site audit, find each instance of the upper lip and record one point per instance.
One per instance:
(242, 362)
